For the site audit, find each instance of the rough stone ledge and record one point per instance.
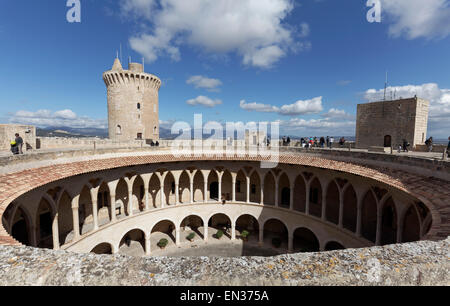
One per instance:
(418, 263)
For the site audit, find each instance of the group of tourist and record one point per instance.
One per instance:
(314, 142)
(16, 145)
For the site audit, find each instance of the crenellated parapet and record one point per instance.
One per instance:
(129, 77)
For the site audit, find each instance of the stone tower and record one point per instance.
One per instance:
(132, 103)
(387, 123)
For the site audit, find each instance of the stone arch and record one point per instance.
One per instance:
(65, 218)
(193, 224)
(255, 187)
(154, 190)
(21, 226)
(138, 195)
(315, 198)
(85, 216)
(332, 202)
(121, 199)
(284, 191)
(184, 186)
(274, 228)
(369, 216)
(389, 222)
(164, 229)
(411, 225)
(133, 243)
(350, 208)
(299, 194)
(44, 221)
(102, 248)
(305, 240)
(333, 245)
(269, 189)
(198, 187)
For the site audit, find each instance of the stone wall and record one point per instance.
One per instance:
(7, 134)
(419, 263)
(84, 142)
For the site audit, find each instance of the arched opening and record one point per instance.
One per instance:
(250, 224)
(315, 198)
(119, 130)
(169, 189)
(184, 192)
(241, 187)
(220, 222)
(369, 217)
(133, 243)
(227, 185)
(305, 241)
(299, 194)
(102, 248)
(275, 234)
(269, 189)
(255, 188)
(333, 245)
(350, 209)
(192, 224)
(387, 141)
(44, 225)
(138, 200)
(411, 225)
(21, 227)
(154, 191)
(121, 205)
(65, 219)
(103, 204)
(389, 223)
(284, 190)
(164, 229)
(85, 216)
(332, 202)
(198, 187)
(213, 184)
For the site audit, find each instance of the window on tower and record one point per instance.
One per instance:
(139, 106)
(118, 130)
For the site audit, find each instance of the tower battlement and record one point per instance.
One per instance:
(132, 102)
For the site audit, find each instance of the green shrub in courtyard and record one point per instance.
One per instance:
(244, 235)
(190, 237)
(163, 243)
(219, 234)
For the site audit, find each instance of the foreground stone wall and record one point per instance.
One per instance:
(419, 263)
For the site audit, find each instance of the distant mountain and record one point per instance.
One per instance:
(64, 131)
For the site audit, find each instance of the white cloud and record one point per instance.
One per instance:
(417, 18)
(199, 81)
(318, 126)
(63, 118)
(337, 114)
(204, 101)
(439, 102)
(253, 29)
(301, 107)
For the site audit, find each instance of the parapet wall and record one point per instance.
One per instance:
(419, 263)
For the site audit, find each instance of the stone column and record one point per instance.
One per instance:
(341, 209)
(177, 193)
(290, 243)
(130, 202)
(308, 189)
(262, 195)
(177, 236)
(261, 237)
(233, 231)
(233, 189)
(112, 207)
(191, 189)
(205, 191)
(147, 245)
(247, 179)
(205, 231)
(55, 232)
(220, 187)
(75, 218)
(400, 222)
(163, 200)
(146, 198)
(95, 213)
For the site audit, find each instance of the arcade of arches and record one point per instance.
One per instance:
(291, 208)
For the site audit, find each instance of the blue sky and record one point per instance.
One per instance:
(303, 63)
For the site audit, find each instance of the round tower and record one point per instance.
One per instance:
(132, 103)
